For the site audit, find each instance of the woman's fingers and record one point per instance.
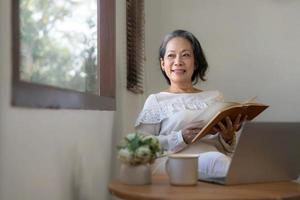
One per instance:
(193, 131)
(238, 119)
(188, 135)
(215, 129)
(222, 127)
(237, 122)
(228, 123)
(195, 125)
(245, 118)
(228, 126)
(189, 132)
(227, 131)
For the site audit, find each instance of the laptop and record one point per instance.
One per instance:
(266, 152)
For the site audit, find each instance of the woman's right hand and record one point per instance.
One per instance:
(191, 130)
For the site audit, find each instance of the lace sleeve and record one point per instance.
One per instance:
(151, 113)
(170, 143)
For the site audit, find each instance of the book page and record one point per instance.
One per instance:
(251, 100)
(220, 110)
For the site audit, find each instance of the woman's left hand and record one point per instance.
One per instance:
(227, 131)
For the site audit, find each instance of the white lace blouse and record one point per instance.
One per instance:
(165, 114)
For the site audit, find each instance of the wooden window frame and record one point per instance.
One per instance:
(26, 94)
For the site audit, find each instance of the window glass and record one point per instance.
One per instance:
(56, 56)
(58, 44)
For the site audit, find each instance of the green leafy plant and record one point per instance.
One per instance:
(137, 149)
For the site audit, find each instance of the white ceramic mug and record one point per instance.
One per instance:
(182, 169)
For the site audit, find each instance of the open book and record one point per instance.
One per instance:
(220, 110)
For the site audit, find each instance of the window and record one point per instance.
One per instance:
(64, 54)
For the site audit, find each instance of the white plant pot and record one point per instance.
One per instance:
(135, 175)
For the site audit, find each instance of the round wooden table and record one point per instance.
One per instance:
(161, 189)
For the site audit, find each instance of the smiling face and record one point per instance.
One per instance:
(178, 61)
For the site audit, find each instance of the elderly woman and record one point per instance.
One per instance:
(174, 115)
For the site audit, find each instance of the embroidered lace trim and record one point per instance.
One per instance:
(154, 111)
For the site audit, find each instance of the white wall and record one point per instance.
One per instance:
(252, 48)
(128, 104)
(59, 154)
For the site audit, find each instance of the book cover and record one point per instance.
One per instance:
(220, 110)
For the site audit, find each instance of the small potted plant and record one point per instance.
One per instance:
(137, 152)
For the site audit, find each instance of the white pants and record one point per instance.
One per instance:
(213, 164)
(210, 164)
